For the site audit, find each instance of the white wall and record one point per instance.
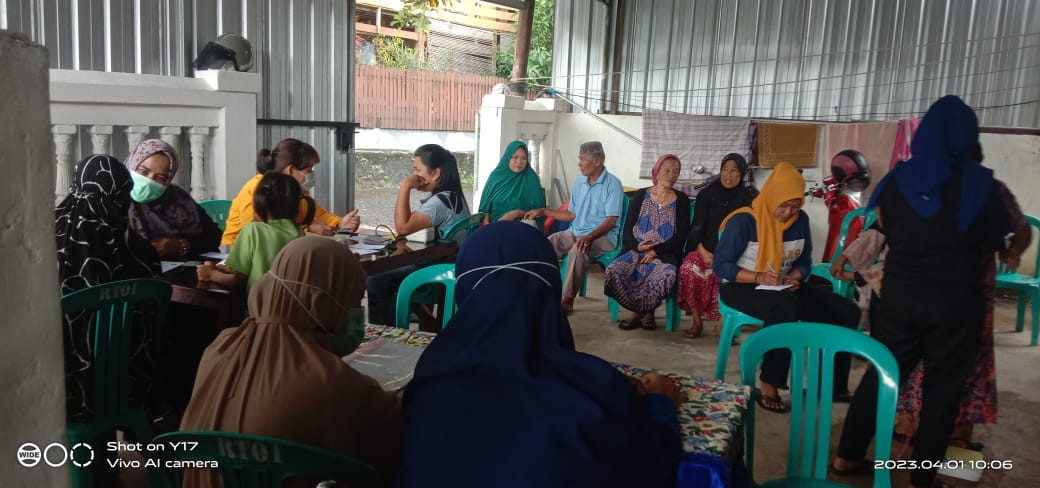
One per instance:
(408, 140)
(32, 406)
(1016, 161)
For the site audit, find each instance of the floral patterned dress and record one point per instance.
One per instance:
(642, 287)
(699, 287)
(979, 398)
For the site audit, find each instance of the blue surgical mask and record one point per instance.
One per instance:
(145, 190)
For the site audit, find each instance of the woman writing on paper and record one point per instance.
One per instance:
(770, 244)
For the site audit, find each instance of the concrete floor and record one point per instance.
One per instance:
(1014, 437)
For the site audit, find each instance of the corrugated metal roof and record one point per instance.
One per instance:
(804, 59)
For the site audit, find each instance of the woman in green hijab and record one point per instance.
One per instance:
(513, 187)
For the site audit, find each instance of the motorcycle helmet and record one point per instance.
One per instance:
(850, 168)
(227, 47)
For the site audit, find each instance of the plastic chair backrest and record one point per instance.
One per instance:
(438, 273)
(246, 460)
(462, 229)
(217, 210)
(608, 257)
(1033, 222)
(869, 217)
(814, 342)
(113, 309)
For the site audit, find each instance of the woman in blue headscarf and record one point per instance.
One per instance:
(940, 215)
(501, 398)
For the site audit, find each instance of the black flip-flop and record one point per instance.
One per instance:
(628, 324)
(864, 468)
(648, 323)
(759, 399)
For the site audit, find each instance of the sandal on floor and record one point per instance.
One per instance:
(760, 400)
(689, 333)
(628, 324)
(649, 323)
(864, 468)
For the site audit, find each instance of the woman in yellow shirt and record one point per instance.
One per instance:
(297, 159)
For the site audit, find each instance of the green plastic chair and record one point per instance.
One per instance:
(810, 431)
(462, 229)
(732, 321)
(113, 309)
(253, 461)
(217, 210)
(672, 311)
(1026, 287)
(823, 270)
(443, 274)
(606, 258)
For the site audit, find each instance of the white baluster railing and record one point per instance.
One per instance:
(199, 139)
(63, 137)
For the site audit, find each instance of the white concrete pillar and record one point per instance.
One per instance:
(172, 136)
(31, 359)
(101, 139)
(63, 137)
(199, 139)
(232, 149)
(134, 135)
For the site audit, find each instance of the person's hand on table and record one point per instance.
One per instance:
(661, 384)
(351, 221)
(402, 247)
(171, 248)
(535, 214)
(205, 271)
(320, 228)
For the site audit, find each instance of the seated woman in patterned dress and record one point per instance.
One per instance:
(698, 285)
(652, 239)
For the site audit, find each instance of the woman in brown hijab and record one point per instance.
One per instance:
(278, 375)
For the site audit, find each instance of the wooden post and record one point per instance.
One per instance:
(518, 79)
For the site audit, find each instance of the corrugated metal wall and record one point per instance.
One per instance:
(804, 59)
(304, 53)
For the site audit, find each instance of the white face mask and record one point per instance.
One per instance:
(308, 181)
(509, 266)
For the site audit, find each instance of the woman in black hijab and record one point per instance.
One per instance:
(698, 285)
(96, 246)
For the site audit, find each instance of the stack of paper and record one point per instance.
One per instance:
(364, 249)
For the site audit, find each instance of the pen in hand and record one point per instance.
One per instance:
(780, 278)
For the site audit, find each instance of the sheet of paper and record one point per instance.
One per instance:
(219, 256)
(772, 287)
(390, 363)
(369, 247)
(168, 265)
(363, 251)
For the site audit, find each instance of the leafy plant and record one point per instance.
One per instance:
(413, 13)
(539, 61)
(393, 53)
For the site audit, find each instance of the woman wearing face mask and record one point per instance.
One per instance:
(770, 244)
(297, 386)
(297, 159)
(162, 212)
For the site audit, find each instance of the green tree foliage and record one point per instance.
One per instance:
(539, 62)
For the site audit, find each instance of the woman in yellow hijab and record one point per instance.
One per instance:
(770, 244)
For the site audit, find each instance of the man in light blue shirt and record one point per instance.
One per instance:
(595, 211)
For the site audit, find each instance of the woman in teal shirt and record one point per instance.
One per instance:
(513, 188)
